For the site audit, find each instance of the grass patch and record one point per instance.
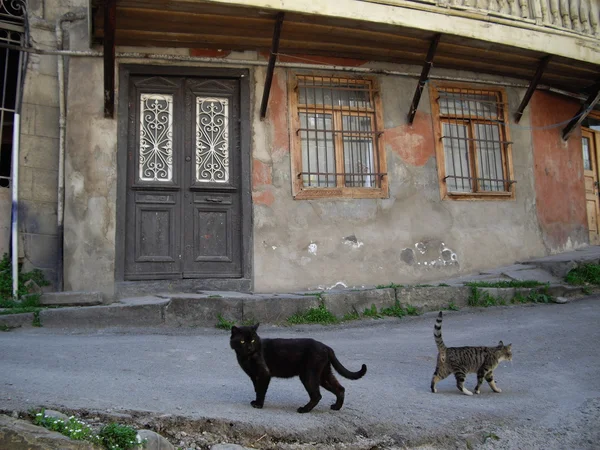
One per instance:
(505, 284)
(351, 316)
(215, 296)
(320, 314)
(452, 307)
(443, 284)
(388, 286)
(533, 297)
(372, 312)
(584, 274)
(6, 328)
(119, 437)
(223, 323)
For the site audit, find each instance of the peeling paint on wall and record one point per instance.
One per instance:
(353, 242)
(431, 253)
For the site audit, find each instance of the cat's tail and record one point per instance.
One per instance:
(337, 365)
(437, 333)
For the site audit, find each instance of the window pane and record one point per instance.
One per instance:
(318, 152)
(587, 161)
(358, 151)
(328, 94)
(467, 105)
(456, 154)
(489, 151)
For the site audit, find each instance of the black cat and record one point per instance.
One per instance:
(311, 360)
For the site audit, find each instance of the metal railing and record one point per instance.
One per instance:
(578, 16)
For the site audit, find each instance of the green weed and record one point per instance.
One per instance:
(505, 284)
(223, 323)
(412, 310)
(387, 286)
(215, 296)
(73, 428)
(6, 293)
(6, 328)
(351, 316)
(584, 274)
(372, 312)
(443, 284)
(36, 319)
(319, 314)
(452, 307)
(394, 311)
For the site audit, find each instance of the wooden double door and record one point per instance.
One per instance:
(184, 201)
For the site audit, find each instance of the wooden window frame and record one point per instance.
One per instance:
(504, 134)
(301, 192)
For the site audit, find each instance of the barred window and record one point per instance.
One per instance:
(473, 148)
(336, 145)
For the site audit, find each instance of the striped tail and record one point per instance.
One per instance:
(437, 333)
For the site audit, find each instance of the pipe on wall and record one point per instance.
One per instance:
(62, 125)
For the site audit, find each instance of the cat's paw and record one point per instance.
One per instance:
(466, 391)
(255, 404)
(336, 407)
(497, 390)
(477, 391)
(434, 390)
(303, 410)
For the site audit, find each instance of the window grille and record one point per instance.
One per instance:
(338, 135)
(12, 18)
(473, 135)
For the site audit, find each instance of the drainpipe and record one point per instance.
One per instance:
(62, 124)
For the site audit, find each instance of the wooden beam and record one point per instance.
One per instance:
(423, 79)
(583, 112)
(271, 66)
(110, 22)
(532, 87)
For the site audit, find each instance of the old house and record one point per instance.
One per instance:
(273, 145)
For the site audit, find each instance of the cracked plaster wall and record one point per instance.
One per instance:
(412, 236)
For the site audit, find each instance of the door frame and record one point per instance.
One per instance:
(132, 288)
(594, 137)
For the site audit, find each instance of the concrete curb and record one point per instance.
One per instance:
(193, 310)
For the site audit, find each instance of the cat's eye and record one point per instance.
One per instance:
(241, 342)
(252, 341)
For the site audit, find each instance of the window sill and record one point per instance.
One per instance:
(479, 196)
(334, 193)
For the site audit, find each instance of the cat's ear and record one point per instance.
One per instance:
(500, 344)
(255, 327)
(234, 330)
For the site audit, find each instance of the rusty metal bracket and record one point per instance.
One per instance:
(271, 66)
(583, 112)
(423, 78)
(532, 87)
(110, 22)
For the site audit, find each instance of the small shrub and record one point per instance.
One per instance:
(584, 274)
(6, 293)
(119, 437)
(36, 319)
(319, 314)
(223, 323)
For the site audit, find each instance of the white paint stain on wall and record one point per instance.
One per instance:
(312, 248)
(432, 253)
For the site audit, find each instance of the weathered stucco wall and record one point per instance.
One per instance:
(411, 236)
(558, 172)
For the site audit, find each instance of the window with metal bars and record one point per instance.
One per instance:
(337, 138)
(473, 147)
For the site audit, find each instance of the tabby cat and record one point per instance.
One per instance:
(463, 360)
(311, 360)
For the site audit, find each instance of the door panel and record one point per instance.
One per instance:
(590, 173)
(183, 179)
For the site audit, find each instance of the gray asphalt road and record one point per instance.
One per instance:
(551, 390)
